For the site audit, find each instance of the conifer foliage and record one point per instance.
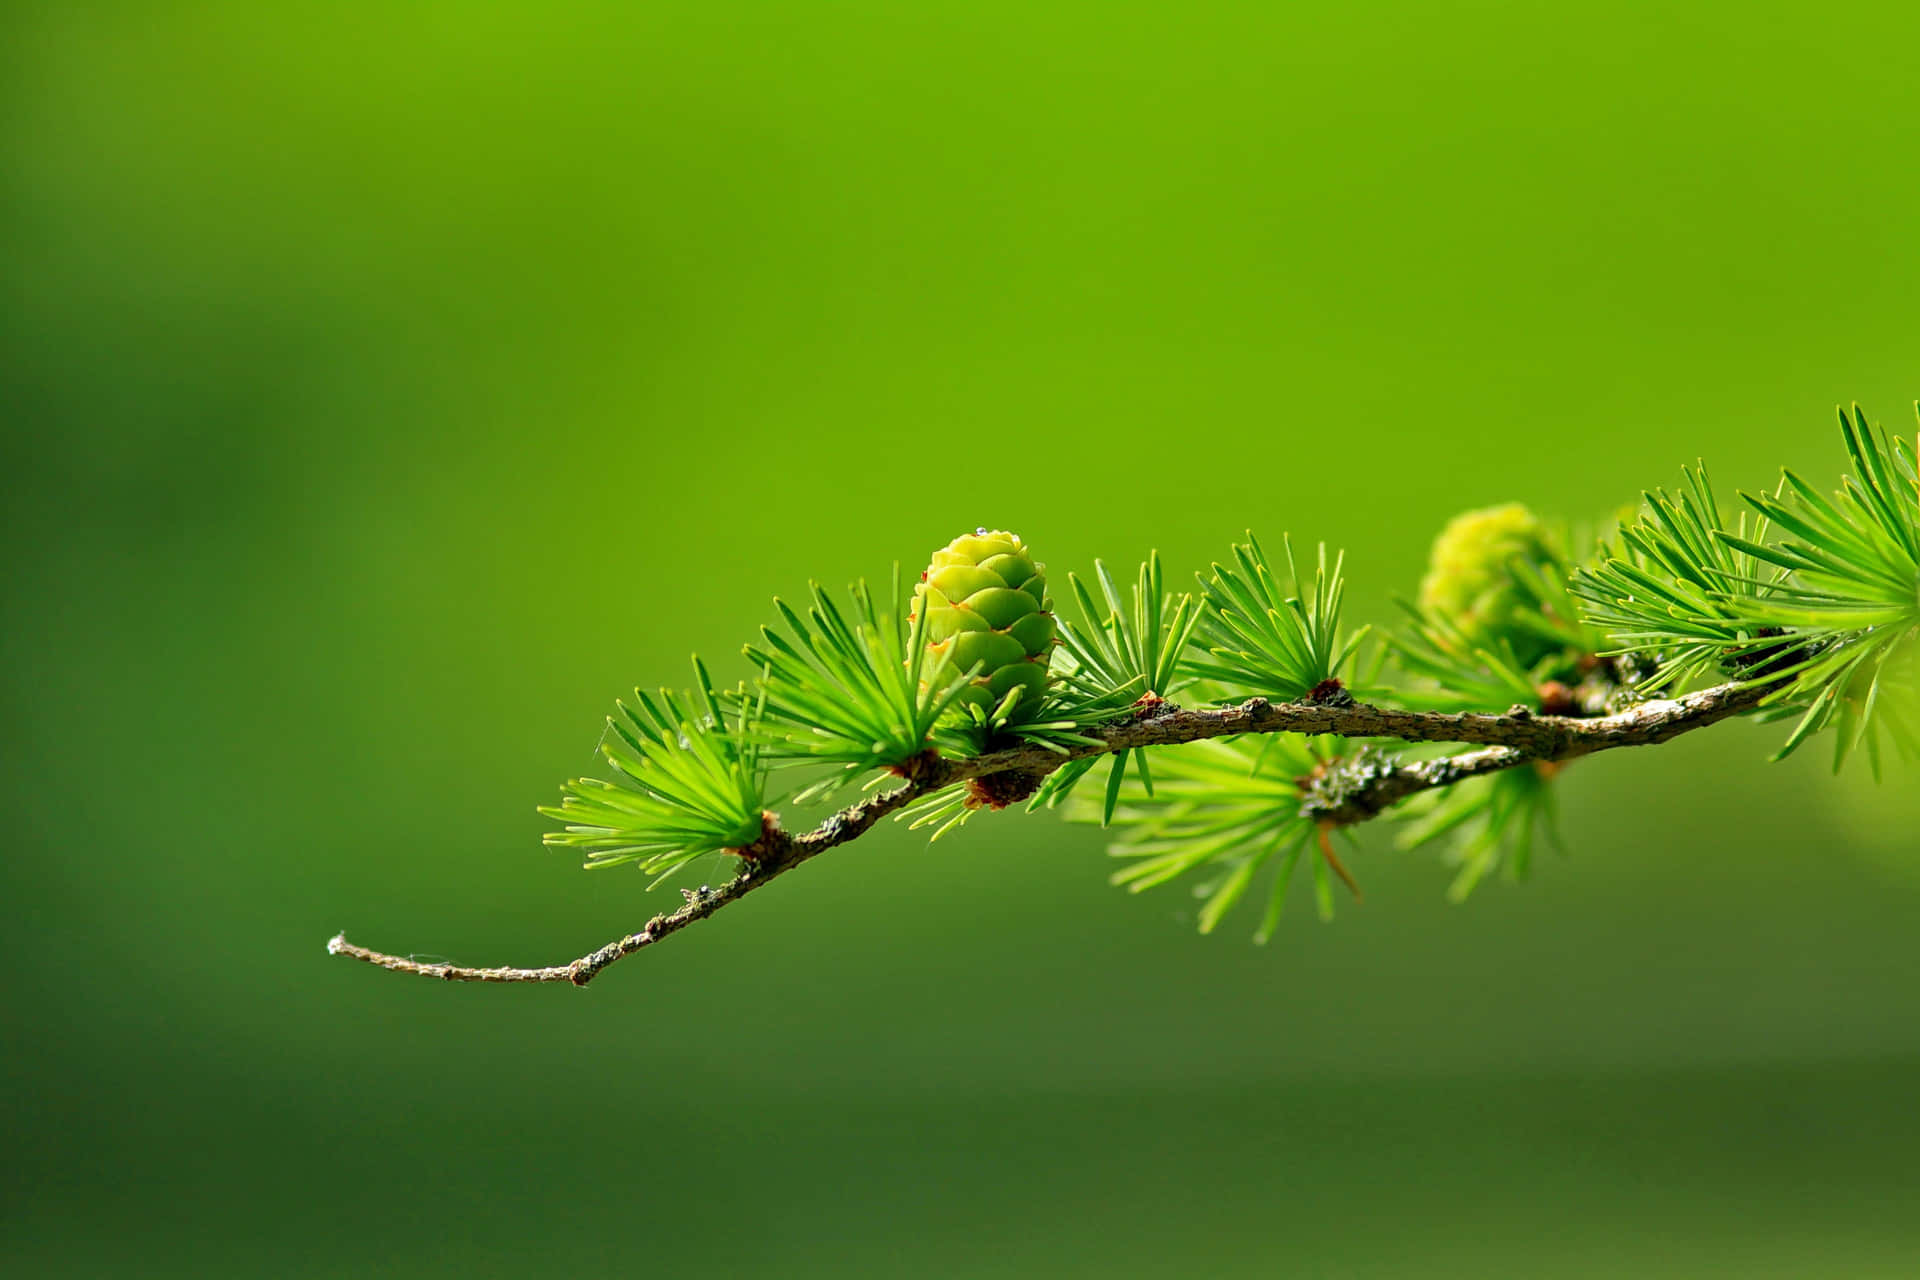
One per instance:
(968, 693)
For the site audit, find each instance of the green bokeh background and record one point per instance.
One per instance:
(389, 387)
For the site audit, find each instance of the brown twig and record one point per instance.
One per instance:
(781, 853)
(1646, 725)
(1505, 741)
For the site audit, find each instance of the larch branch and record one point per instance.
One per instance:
(1515, 738)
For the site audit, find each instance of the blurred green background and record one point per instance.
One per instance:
(389, 387)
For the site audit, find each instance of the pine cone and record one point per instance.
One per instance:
(1470, 580)
(986, 602)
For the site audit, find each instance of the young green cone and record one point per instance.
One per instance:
(986, 602)
(1470, 580)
